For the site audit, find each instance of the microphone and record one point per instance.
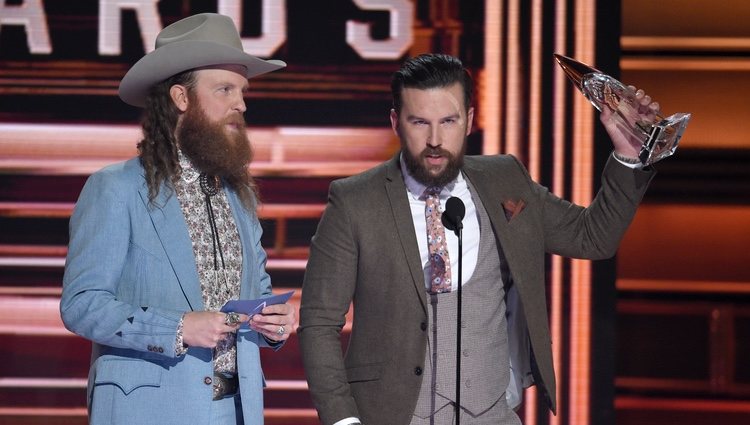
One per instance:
(453, 215)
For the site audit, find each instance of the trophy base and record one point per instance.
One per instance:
(664, 138)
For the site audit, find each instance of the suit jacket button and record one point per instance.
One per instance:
(423, 326)
(207, 380)
(417, 370)
(150, 348)
(161, 350)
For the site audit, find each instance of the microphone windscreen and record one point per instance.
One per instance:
(454, 213)
(455, 208)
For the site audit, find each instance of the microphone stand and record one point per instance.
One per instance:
(453, 219)
(459, 233)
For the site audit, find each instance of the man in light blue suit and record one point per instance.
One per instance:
(160, 242)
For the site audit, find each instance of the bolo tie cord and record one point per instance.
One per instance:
(210, 187)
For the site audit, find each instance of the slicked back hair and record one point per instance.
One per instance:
(428, 71)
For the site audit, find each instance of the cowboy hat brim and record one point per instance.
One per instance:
(174, 58)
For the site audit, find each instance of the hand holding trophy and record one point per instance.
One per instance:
(659, 139)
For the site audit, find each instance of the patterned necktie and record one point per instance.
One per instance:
(440, 263)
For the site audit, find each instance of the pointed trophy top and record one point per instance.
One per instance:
(574, 70)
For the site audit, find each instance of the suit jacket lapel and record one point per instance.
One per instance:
(512, 236)
(491, 195)
(396, 190)
(512, 239)
(246, 241)
(169, 224)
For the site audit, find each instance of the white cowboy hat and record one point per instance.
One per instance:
(196, 41)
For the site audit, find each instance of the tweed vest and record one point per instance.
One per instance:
(485, 369)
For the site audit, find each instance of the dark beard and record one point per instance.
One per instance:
(211, 149)
(415, 165)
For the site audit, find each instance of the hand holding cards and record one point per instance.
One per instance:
(276, 323)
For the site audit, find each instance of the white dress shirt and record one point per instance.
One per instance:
(459, 189)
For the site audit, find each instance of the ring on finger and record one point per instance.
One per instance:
(232, 318)
(281, 330)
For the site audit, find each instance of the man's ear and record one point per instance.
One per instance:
(179, 96)
(394, 121)
(469, 120)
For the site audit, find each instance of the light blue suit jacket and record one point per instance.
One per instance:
(130, 275)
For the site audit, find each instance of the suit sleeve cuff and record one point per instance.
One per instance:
(272, 343)
(180, 349)
(628, 162)
(348, 421)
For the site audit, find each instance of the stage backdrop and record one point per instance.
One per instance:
(323, 117)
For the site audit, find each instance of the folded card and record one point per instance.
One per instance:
(251, 307)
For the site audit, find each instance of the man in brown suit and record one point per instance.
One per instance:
(374, 247)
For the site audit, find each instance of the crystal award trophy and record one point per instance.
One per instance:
(659, 139)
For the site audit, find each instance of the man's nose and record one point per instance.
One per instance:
(434, 138)
(239, 104)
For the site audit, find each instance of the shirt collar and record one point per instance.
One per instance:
(416, 189)
(189, 173)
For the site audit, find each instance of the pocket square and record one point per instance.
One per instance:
(513, 208)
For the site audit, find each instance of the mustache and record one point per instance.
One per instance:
(236, 120)
(437, 151)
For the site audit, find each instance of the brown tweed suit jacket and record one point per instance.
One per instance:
(365, 251)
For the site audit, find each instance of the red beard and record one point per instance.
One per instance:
(212, 148)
